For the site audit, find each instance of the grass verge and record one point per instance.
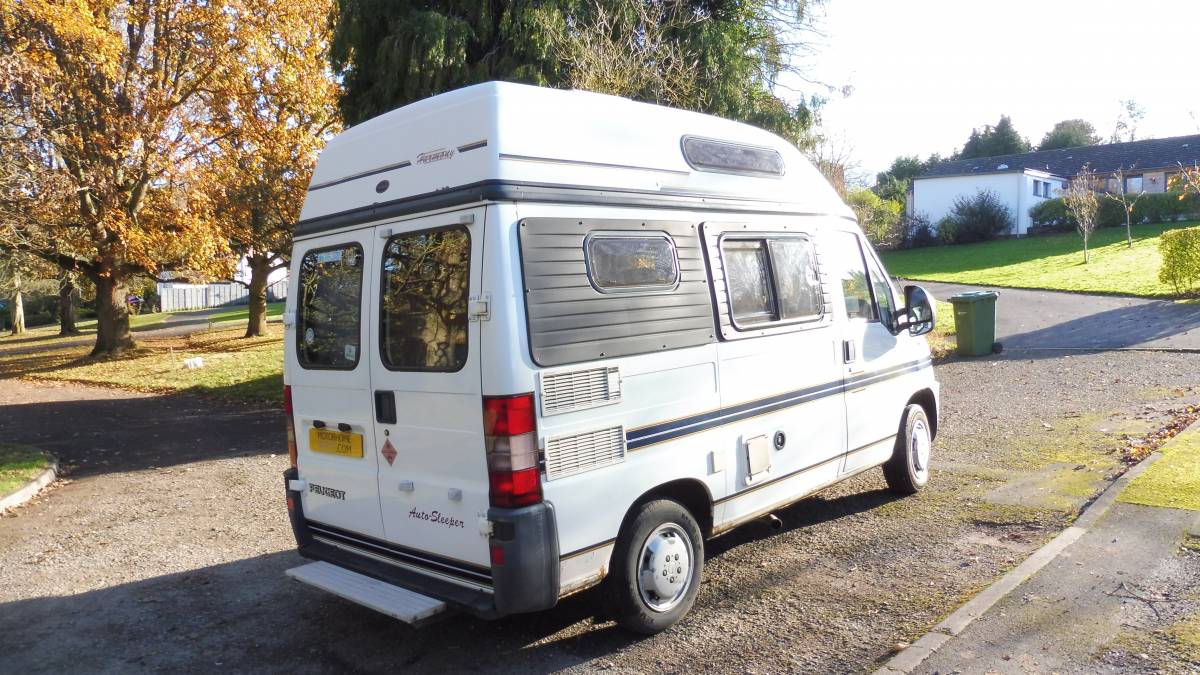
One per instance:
(942, 341)
(1052, 262)
(19, 464)
(234, 367)
(1174, 480)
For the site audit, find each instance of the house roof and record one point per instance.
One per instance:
(1154, 153)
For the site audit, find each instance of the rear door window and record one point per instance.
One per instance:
(423, 310)
(329, 308)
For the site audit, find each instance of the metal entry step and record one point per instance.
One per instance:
(394, 601)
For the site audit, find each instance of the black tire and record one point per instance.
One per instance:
(908, 469)
(630, 607)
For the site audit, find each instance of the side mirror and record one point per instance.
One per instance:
(918, 313)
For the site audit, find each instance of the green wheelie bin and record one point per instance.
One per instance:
(975, 322)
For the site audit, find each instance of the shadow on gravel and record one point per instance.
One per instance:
(129, 432)
(1131, 326)
(805, 513)
(246, 616)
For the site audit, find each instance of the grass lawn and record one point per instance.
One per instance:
(1174, 480)
(19, 464)
(234, 367)
(243, 313)
(1052, 262)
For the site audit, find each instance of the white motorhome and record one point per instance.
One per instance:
(538, 340)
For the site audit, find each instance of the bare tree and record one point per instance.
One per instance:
(1080, 199)
(1121, 195)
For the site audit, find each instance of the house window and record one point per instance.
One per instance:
(1037, 188)
(1133, 184)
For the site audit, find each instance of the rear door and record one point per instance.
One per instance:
(425, 374)
(329, 372)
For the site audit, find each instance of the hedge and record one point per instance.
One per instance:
(1180, 251)
(1160, 207)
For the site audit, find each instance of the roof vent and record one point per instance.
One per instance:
(706, 154)
(1186, 144)
(1001, 167)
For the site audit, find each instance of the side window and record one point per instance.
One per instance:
(796, 278)
(771, 280)
(423, 300)
(632, 262)
(852, 273)
(329, 308)
(749, 279)
(882, 289)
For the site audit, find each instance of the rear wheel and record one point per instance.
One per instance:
(657, 565)
(908, 469)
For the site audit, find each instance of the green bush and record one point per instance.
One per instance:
(1050, 212)
(1162, 207)
(1180, 251)
(980, 218)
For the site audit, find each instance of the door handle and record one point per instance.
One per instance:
(385, 407)
(849, 353)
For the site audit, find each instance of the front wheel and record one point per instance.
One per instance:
(657, 565)
(908, 469)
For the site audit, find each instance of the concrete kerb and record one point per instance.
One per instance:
(31, 488)
(912, 656)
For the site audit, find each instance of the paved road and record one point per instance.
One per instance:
(1029, 319)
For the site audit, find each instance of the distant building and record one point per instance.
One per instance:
(1022, 181)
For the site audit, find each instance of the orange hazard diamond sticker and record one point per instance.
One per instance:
(388, 451)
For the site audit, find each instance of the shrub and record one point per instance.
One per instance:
(879, 218)
(1162, 207)
(980, 218)
(917, 233)
(1180, 251)
(1051, 212)
(1109, 213)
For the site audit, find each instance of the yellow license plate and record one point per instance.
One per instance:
(335, 442)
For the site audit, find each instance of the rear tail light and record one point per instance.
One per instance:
(291, 424)
(510, 437)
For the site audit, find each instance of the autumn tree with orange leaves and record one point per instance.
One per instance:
(118, 100)
(271, 123)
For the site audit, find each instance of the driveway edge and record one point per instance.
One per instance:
(912, 656)
(31, 488)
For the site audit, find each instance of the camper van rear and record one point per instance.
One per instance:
(542, 340)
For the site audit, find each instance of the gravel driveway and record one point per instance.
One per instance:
(164, 549)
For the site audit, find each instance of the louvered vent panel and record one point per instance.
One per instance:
(580, 389)
(569, 455)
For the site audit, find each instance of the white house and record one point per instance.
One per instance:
(934, 197)
(1024, 180)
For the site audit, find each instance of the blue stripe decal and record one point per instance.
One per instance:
(665, 431)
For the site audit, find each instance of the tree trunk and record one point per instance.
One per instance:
(1129, 227)
(66, 306)
(112, 316)
(18, 310)
(260, 270)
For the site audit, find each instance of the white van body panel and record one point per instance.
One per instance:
(751, 419)
(546, 136)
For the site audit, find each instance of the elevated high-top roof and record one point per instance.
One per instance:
(516, 134)
(1154, 153)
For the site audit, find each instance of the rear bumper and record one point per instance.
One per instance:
(526, 581)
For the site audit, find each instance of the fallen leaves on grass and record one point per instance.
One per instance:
(1140, 448)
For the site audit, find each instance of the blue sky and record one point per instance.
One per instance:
(924, 72)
